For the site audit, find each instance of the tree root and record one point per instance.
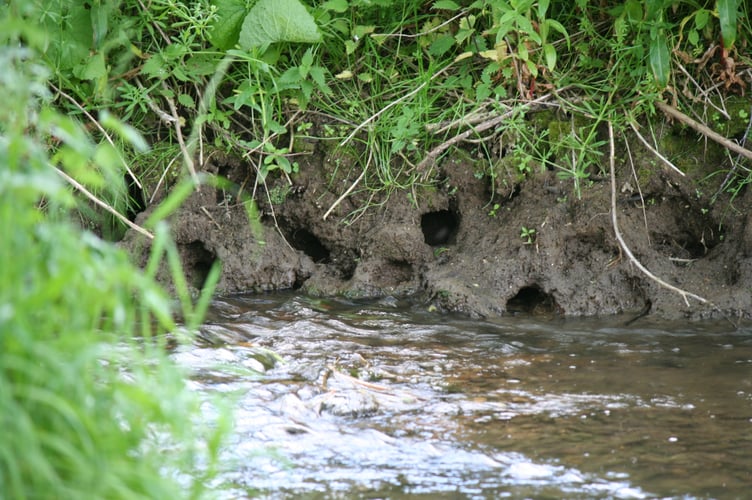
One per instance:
(684, 294)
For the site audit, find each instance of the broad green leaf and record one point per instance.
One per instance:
(659, 60)
(362, 30)
(654, 10)
(91, 69)
(620, 29)
(187, 101)
(522, 52)
(550, 53)
(701, 18)
(542, 9)
(202, 64)
(727, 15)
(229, 20)
(350, 47)
(445, 5)
(318, 76)
(633, 8)
(441, 45)
(556, 25)
(693, 37)
(532, 68)
(338, 6)
(271, 21)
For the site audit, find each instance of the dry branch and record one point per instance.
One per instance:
(434, 154)
(612, 160)
(703, 129)
(70, 180)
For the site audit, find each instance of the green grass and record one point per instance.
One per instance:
(92, 407)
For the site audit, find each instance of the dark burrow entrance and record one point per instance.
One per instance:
(440, 227)
(532, 300)
(198, 262)
(307, 242)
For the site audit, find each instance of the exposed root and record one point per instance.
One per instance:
(612, 160)
(653, 150)
(352, 186)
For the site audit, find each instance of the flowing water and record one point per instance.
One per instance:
(388, 400)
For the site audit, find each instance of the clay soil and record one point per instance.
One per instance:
(457, 243)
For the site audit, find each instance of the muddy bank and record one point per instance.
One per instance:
(461, 243)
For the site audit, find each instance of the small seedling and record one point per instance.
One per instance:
(494, 209)
(527, 235)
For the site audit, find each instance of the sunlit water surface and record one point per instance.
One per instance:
(387, 400)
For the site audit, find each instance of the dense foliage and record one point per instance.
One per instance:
(397, 83)
(90, 405)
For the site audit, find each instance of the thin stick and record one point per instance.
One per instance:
(103, 131)
(70, 180)
(704, 130)
(187, 156)
(653, 150)
(623, 245)
(436, 152)
(639, 189)
(394, 103)
(352, 186)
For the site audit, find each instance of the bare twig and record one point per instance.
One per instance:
(187, 156)
(352, 186)
(612, 160)
(433, 155)
(70, 180)
(417, 35)
(704, 130)
(653, 150)
(103, 131)
(639, 189)
(394, 103)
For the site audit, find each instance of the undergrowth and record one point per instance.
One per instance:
(400, 84)
(396, 84)
(92, 407)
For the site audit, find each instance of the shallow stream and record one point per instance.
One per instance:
(387, 400)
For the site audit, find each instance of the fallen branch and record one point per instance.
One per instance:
(704, 130)
(612, 161)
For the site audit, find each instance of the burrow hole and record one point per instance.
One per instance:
(307, 242)
(440, 227)
(532, 300)
(198, 262)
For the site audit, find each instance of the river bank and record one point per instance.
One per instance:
(472, 244)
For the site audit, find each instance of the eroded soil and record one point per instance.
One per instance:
(462, 249)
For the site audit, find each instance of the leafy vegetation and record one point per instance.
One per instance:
(91, 405)
(523, 85)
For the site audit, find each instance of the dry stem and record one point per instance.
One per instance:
(70, 180)
(612, 160)
(434, 154)
(703, 129)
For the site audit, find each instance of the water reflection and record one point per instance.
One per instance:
(388, 400)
